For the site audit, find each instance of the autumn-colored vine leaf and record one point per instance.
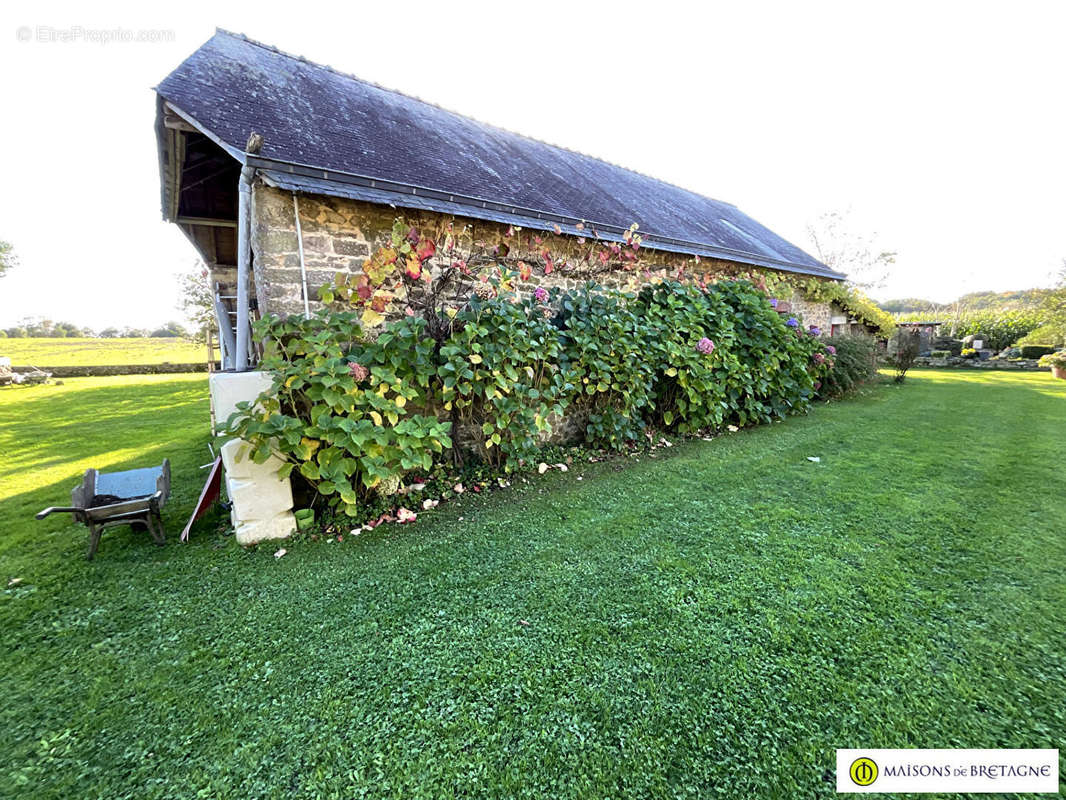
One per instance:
(372, 318)
(414, 268)
(427, 248)
(380, 301)
(525, 272)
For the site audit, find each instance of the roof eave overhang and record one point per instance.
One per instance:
(168, 142)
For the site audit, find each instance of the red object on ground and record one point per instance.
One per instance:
(208, 497)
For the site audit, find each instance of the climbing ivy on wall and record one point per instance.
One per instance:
(849, 298)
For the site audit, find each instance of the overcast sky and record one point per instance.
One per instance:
(942, 126)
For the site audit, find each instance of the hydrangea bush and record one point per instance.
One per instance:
(473, 361)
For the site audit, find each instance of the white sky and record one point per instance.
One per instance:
(941, 125)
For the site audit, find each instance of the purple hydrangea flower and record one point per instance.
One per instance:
(814, 330)
(541, 294)
(830, 349)
(793, 322)
(773, 302)
(705, 346)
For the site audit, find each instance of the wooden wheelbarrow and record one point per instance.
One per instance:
(132, 497)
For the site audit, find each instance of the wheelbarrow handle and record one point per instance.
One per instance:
(55, 510)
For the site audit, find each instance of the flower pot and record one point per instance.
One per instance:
(1059, 372)
(305, 518)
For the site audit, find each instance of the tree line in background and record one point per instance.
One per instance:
(1020, 300)
(195, 301)
(38, 328)
(1002, 319)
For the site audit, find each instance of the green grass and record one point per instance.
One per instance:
(101, 352)
(713, 620)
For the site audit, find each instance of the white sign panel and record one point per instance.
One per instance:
(993, 771)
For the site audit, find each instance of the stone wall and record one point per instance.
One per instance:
(1024, 364)
(813, 313)
(339, 234)
(116, 369)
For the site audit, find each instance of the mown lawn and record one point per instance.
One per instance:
(75, 352)
(713, 620)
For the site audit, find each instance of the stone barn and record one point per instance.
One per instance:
(282, 172)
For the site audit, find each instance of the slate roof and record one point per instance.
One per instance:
(330, 133)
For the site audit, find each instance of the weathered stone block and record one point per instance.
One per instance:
(350, 246)
(278, 241)
(318, 243)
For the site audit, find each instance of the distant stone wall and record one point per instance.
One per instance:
(1023, 364)
(813, 313)
(115, 369)
(338, 236)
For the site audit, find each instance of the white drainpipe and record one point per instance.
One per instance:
(300, 244)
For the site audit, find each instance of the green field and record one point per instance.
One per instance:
(100, 352)
(713, 620)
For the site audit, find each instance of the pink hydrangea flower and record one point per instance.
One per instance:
(705, 346)
(541, 294)
(358, 371)
(819, 358)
